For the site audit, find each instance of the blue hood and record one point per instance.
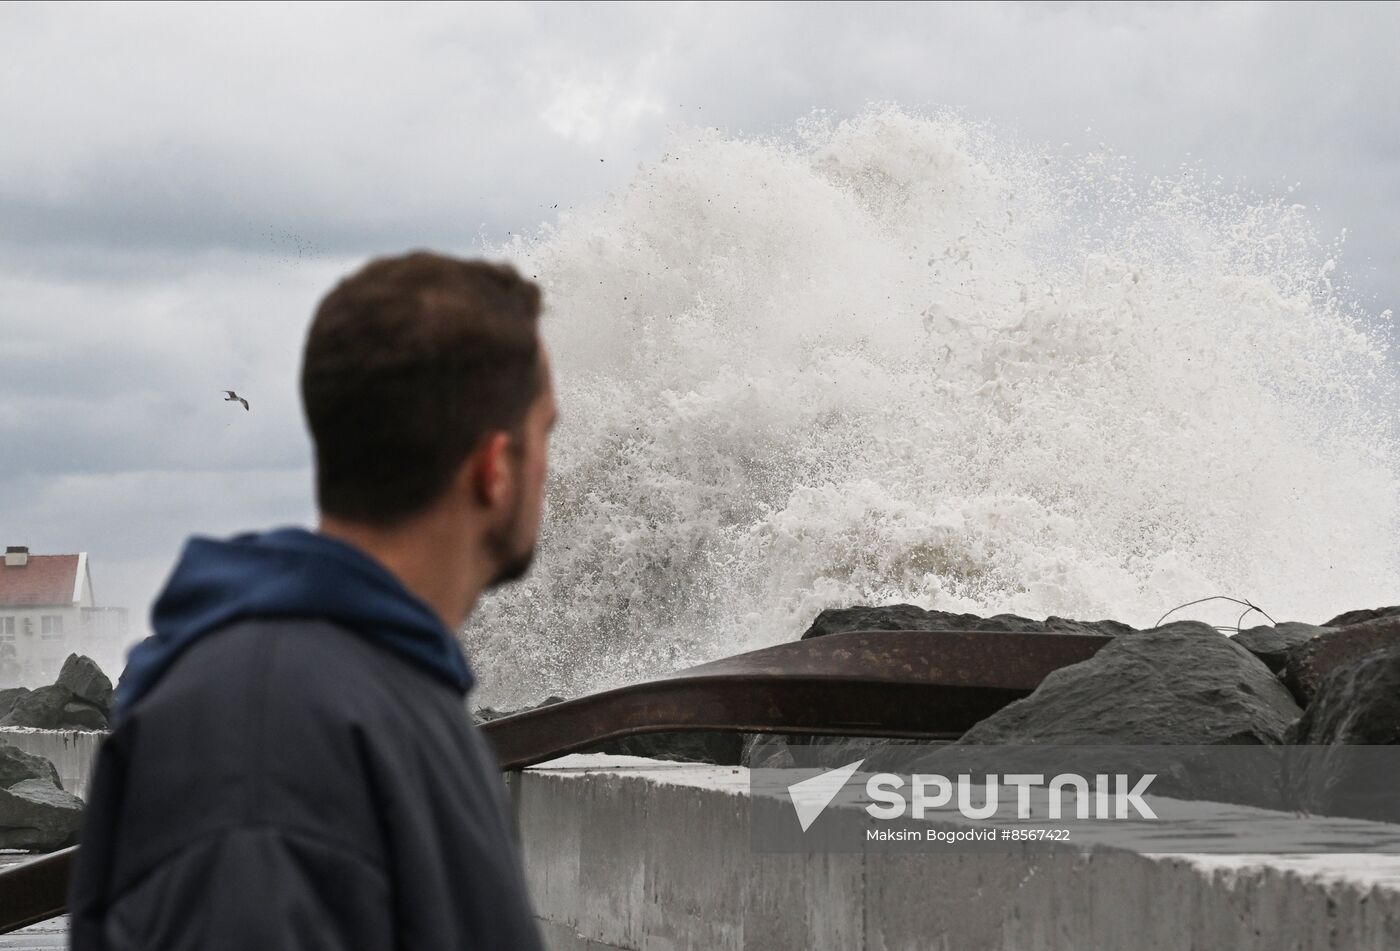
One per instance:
(288, 573)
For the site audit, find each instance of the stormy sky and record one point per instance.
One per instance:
(180, 183)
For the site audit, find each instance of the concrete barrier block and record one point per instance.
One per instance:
(646, 856)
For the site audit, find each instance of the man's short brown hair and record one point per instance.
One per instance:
(409, 363)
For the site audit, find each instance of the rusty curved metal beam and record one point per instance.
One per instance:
(932, 684)
(866, 683)
(35, 891)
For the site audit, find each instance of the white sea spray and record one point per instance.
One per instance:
(899, 358)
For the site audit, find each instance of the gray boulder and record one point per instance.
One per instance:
(1309, 663)
(16, 765)
(80, 699)
(1103, 628)
(35, 812)
(38, 816)
(1358, 704)
(908, 617)
(1347, 769)
(1365, 614)
(10, 696)
(42, 708)
(1184, 684)
(894, 617)
(87, 681)
(83, 716)
(1271, 643)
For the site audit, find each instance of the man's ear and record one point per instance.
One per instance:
(489, 470)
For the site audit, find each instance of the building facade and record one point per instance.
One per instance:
(47, 611)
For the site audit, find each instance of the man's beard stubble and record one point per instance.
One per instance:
(511, 565)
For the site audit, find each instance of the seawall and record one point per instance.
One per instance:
(634, 854)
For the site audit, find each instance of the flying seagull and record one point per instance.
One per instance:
(234, 397)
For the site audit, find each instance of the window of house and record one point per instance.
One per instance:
(51, 626)
(7, 627)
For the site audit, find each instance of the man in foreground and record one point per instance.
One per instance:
(292, 765)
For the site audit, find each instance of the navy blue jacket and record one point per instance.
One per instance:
(292, 766)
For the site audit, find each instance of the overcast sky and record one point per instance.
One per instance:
(180, 183)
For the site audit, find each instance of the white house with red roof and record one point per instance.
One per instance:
(47, 611)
